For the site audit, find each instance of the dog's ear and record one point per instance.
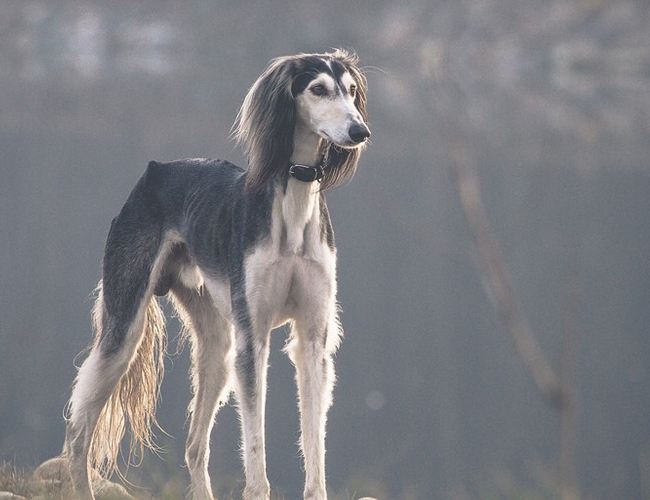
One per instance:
(265, 124)
(342, 162)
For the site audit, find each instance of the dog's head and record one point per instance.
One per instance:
(325, 93)
(329, 97)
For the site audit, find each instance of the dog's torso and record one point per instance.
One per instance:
(268, 255)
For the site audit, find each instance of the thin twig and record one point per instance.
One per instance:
(498, 281)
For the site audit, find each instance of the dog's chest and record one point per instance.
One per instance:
(294, 267)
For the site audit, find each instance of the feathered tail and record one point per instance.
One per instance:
(135, 397)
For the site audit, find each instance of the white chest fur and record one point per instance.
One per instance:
(294, 268)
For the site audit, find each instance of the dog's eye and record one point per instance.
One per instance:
(353, 90)
(318, 90)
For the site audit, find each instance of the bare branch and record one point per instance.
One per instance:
(497, 279)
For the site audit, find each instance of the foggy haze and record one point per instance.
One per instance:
(549, 99)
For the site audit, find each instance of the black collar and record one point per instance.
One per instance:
(306, 173)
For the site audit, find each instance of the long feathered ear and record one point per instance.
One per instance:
(265, 124)
(342, 162)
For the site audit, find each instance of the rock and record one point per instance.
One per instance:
(108, 490)
(7, 495)
(51, 479)
(53, 476)
(54, 469)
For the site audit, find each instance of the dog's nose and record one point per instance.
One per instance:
(358, 132)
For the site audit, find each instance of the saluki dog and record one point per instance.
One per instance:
(239, 253)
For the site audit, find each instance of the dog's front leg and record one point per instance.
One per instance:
(311, 353)
(251, 366)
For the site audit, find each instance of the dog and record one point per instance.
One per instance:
(239, 253)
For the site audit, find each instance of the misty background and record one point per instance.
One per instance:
(550, 102)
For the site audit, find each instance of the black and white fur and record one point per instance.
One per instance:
(239, 253)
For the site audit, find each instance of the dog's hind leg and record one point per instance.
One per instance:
(211, 336)
(119, 379)
(96, 381)
(91, 390)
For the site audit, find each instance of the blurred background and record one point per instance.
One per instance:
(544, 103)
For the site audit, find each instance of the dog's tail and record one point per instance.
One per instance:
(134, 398)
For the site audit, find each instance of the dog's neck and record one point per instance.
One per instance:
(307, 146)
(307, 150)
(300, 202)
